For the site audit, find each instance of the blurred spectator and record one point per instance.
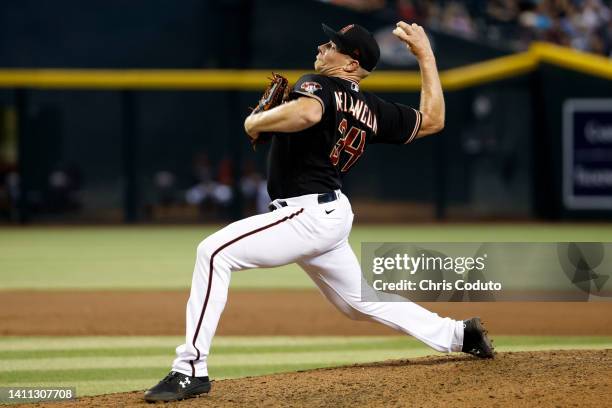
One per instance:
(165, 187)
(201, 168)
(407, 10)
(12, 186)
(63, 186)
(606, 37)
(249, 180)
(222, 192)
(202, 184)
(212, 196)
(457, 20)
(254, 189)
(582, 24)
(9, 192)
(9, 179)
(503, 11)
(358, 5)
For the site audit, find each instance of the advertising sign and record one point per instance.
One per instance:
(587, 154)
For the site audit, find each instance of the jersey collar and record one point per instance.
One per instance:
(354, 84)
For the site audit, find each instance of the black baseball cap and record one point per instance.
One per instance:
(356, 42)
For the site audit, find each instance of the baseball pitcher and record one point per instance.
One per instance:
(319, 133)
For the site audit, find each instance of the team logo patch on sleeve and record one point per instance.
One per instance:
(311, 87)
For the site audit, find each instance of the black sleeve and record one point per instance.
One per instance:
(397, 123)
(313, 86)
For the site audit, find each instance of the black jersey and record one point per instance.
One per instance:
(314, 160)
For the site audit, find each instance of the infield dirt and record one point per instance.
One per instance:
(267, 312)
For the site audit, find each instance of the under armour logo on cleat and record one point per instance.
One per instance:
(184, 384)
(330, 211)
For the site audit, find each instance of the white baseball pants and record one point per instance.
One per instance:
(316, 237)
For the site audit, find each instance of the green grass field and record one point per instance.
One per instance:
(100, 365)
(159, 257)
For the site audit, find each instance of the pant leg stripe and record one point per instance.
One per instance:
(210, 275)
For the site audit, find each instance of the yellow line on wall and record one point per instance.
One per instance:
(590, 64)
(254, 80)
(138, 79)
(488, 71)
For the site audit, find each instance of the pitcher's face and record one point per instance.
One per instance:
(328, 58)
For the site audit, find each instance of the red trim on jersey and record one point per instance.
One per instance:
(417, 126)
(210, 274)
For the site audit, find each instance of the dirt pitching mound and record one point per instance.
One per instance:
(544, 379)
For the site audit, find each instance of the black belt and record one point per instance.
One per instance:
(327, 197)
(321, 198)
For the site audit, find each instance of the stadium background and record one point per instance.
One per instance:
(131, 113)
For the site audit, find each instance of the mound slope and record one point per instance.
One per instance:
(548, 378)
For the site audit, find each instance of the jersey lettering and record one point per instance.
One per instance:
(357, 108)
(347, 144)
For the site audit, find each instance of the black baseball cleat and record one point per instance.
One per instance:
(176, 386)
(475, 340)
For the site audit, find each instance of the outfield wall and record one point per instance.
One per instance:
(114, 116)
